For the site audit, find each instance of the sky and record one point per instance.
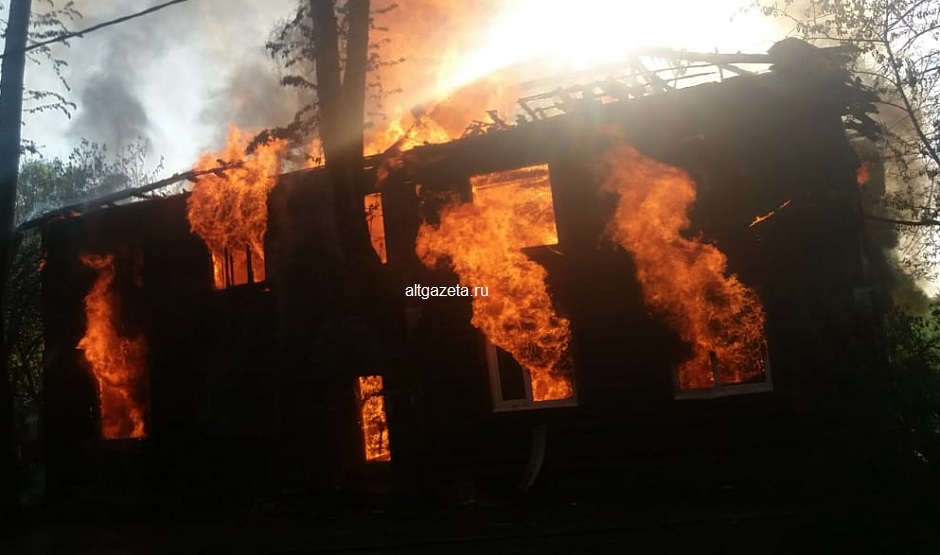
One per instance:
(169, 77)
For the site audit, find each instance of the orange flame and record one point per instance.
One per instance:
(405, 136)
(684, 280)
(483, 241)
(372, 418)
(119, 364)
(863, 173)
(229, 210)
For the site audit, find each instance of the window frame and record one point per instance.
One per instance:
(228, 275)
(724, 390)
(509, 405)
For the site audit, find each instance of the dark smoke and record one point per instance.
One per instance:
(111, 110)
(253, 99)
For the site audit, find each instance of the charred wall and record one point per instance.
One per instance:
(235, 389)
(750, 145)
(208, 355)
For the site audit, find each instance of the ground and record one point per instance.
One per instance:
(714, 523)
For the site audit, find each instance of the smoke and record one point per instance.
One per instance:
(111, 107)
(112, 112)
(174, 78)
(252, 99)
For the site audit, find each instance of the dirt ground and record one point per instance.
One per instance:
(668, 526)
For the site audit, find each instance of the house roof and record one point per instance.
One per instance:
(637, 78)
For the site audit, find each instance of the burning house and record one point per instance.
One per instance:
(657, 285)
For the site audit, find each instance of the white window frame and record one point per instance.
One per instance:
(725, 390)
(496, 388)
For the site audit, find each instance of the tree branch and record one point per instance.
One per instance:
(893, 63)
(910, 223)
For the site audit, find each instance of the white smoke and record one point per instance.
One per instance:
(168, 77)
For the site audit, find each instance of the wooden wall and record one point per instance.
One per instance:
(235, 363)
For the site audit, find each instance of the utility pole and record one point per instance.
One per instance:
(11, 115)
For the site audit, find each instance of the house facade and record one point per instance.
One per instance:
(571, 364)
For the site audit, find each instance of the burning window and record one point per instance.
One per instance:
(118, 363)
(229, 209)
(376, 222)
(727, 379)
(685, 281)
(484, 242)
(372, 418)
(511, 385)
(526, 193)
(238, 267)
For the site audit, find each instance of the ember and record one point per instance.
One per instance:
(372, 418)
(483, 241)
(768, 215)
(685, 280)
(229, 210)
(119, 364)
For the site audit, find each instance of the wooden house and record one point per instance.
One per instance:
(232, 397)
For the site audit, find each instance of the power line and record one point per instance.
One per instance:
(83, 32)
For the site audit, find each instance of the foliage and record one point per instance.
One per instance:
(898, 43)
(914, 372)
(291, 46)
(24, 325)
(88, 172)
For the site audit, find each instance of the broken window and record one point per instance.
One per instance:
(533, 367)
(118, 361)
(229, 210)
(376, 223)
(238, 267)
(720, 379)
(486, 241)
(511, 385)
(525, 194)
(372, 420)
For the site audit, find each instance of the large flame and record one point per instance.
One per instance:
(483, 241)
(229, 210)
(372, 418)
(438, 52)
(119, 364)
(605, 31)
(685, 280)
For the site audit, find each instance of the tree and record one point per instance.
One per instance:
(53, 21)
(291, 45)
(899, 56)
(328, 52)
(914, 373)
(11, 106)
